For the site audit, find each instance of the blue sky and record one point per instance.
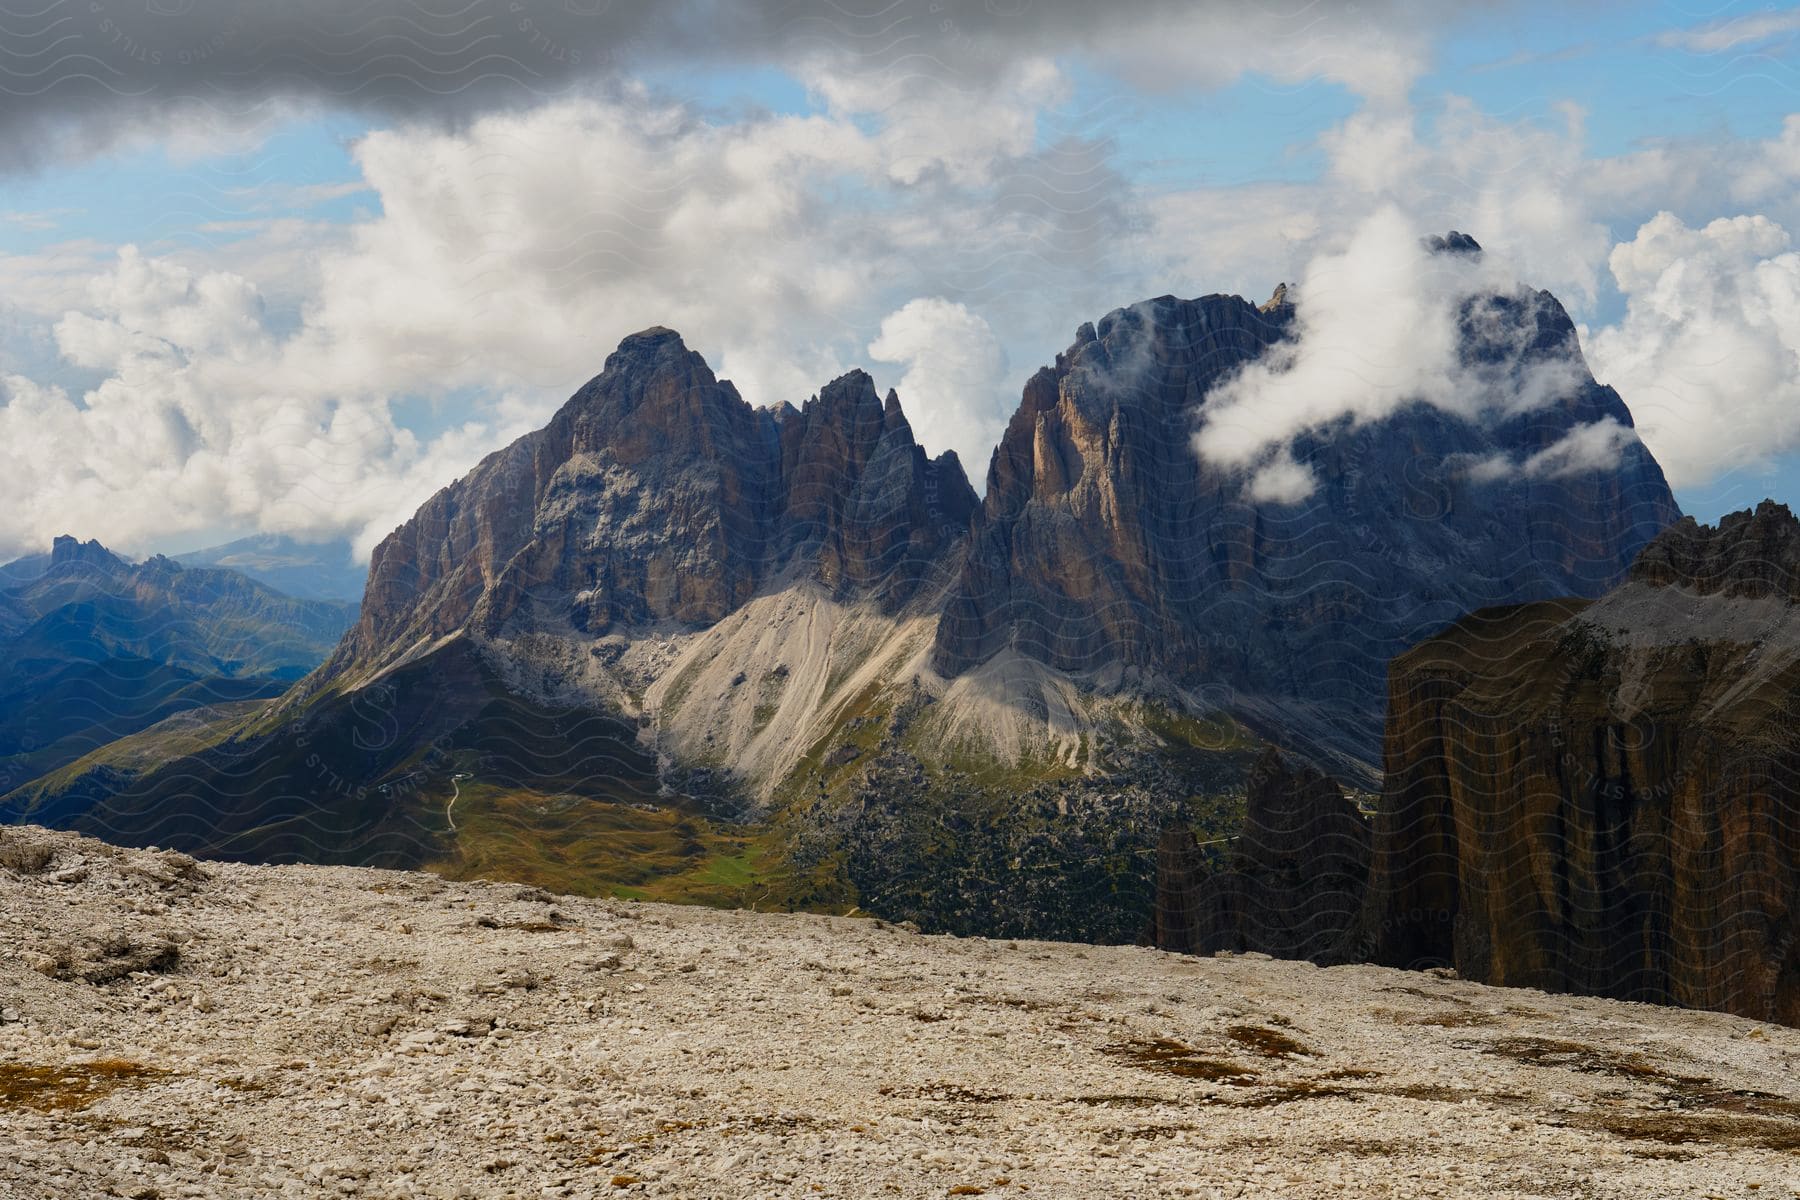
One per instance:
(1102, 175)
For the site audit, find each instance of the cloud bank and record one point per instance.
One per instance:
(194, 423)
(1708, 354)
(82, 75)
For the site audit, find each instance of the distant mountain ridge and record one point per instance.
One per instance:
(93, 648)
(307, 570)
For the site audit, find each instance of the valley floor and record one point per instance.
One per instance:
(175, 1029)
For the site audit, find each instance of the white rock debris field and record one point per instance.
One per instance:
(172, 1028)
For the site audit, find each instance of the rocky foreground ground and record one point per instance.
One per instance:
(180, 1029)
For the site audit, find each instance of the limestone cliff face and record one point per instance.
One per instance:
(658, 494)
(1605, 798)
(1290, 885)
(1109, 549)
(855, 484)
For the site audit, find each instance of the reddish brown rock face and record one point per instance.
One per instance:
(657, 494)
(1605, 798)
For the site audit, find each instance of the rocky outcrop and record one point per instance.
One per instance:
(1111, 550)
(1605, 798)
(657, 494)
(1750, 554)
(854, 484)
(1453, 242)
(1291, 884)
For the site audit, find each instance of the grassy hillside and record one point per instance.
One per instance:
(962, 810)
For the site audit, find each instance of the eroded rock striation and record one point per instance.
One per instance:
(1605, 798)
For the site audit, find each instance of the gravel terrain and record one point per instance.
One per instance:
(173, 1029)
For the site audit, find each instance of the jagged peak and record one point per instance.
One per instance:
(893, 417)
(1754, 552)
(849, 401)
(1453, 242)
(648, 348)
(68, 548)
(855, 383)
(653, 335)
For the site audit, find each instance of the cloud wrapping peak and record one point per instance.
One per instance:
(1375, 329)
(1382, 324)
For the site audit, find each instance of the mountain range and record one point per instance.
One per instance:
(673, 645)
(324, 570)
(94, 649)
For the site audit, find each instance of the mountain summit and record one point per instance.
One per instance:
(1110, 550)
(658, 494)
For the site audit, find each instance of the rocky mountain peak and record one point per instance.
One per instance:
(159, 567)
(1749, 553)
(647, 345)
(1452, 243)
(892, 416)
(658, 493)
(847, 414)
(647, 359)
(1110, 547)
(69, 549)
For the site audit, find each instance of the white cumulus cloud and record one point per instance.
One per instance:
(1708, 353)
(196, 423)
(951, 389)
